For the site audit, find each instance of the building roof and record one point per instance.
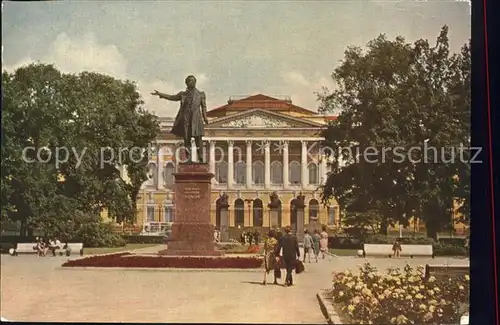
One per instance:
(259, 101)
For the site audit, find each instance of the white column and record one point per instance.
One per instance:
(211, 158)
(323, 169)
(304, 172)
(159, 166)
(230, 164)
(267, 164)
(194, 152)
(249, 164)
(285, 164)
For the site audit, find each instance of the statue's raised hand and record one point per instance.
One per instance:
(155, 93)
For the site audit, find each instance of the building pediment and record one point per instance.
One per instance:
(261, 119)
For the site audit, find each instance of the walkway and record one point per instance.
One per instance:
(29, 283)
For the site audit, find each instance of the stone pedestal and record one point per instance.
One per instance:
(273, 218)
(224, 225)
(300, 224)
(192, 230)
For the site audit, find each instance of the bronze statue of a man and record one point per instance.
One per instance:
(191, 116)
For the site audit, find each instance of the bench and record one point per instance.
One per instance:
(28, 248)
(406, 250)
(446, 271)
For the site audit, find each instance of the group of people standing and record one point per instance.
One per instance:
(315, 244)
(284, 251)
(250, 237)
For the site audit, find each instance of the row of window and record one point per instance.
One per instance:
(257, 211)
(239, 210)
(258, 172)
(239, 175)
(168, 214)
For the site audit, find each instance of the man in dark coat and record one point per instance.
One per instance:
(191, 116)
(291, 253)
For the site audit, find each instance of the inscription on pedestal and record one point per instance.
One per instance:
(192, 193)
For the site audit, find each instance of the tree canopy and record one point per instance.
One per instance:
(395, 96)
(55, 131)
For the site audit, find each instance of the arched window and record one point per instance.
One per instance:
(168, 175)
(293, 217)
(240, 172)
(239, 212)
(221, 172)
(331, 216)
(313, 210)
(169, 213)
(258, 172)
(280, 214)
(217, 213)
(152, 174)
(276, 172)
(313, 173)
(294, 176)
(258, 213)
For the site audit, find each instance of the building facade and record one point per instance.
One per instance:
(255, 146)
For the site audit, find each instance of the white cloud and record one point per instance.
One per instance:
(74, 55)
(86, 54)
(303, 90)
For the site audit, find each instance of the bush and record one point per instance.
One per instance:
(452, 241)
(441, 249)
(131, 260)
(399, 297)
(138, 239)
(344, 243)
(380, 239)
(98, 235)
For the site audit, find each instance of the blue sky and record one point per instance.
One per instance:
(233, 47)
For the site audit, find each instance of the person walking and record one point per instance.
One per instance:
(270, 262)
(291, 253)
(316, 238)
(323, 242)
(308, 246)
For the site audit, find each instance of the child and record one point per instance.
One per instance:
(396, 248)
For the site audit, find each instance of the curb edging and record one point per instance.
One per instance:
(327, 309)
(151, 269)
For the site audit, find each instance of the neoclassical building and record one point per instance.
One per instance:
(255, 146)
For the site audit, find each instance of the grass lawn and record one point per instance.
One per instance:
(106, 250)
(343, 252)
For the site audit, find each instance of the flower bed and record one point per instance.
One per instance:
(398, 297)
(131, 260)
(241, 249)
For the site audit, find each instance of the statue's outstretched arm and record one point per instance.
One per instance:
(174, 98)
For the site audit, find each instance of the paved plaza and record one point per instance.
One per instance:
(38, 289)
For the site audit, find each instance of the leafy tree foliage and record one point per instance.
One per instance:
(393, 97)
(56, 128)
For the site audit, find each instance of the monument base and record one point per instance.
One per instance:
(192, 230)
(192, 239)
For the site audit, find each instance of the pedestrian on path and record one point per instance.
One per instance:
(323, 243)
(270, 262)
(316, 238)
(308, 247)
(291, 253)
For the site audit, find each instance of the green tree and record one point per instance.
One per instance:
(395, 96)
(84, 122)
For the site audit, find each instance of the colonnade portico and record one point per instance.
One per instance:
(264, 145)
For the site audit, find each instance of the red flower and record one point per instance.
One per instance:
(131, 260)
